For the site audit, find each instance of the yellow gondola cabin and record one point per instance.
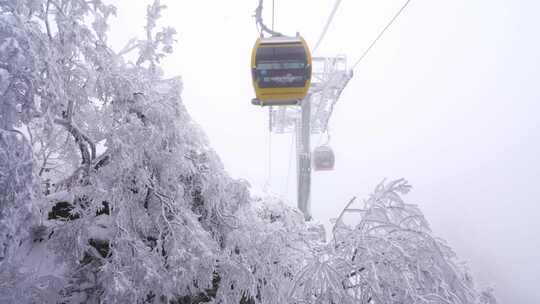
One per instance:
(281, 70)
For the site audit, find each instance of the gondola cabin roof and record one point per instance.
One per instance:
(280, 40)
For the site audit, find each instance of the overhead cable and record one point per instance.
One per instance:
(328, 22)
(381, 33)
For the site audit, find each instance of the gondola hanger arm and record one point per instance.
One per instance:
(260, 22)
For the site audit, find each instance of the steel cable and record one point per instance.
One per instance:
(381, 33)
(327, 25)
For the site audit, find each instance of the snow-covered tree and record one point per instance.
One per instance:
(18, 193)
(110, 193)
(383, 251)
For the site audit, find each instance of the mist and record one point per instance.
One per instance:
(448, 99)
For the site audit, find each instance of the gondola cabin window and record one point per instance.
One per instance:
(281, 66)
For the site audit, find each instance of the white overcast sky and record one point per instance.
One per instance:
(448, 99)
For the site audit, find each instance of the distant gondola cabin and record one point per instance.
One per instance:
(323, 158)
(281, 70)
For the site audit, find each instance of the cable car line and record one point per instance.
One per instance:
(324, 160)
(328, 22)
(381, 33)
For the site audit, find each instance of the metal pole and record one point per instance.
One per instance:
(303, 156)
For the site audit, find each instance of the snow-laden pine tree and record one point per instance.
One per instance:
(110, 193)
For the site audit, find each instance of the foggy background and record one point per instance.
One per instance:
(448, 99)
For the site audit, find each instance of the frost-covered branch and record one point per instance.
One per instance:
(81, 139)
(47, 25)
